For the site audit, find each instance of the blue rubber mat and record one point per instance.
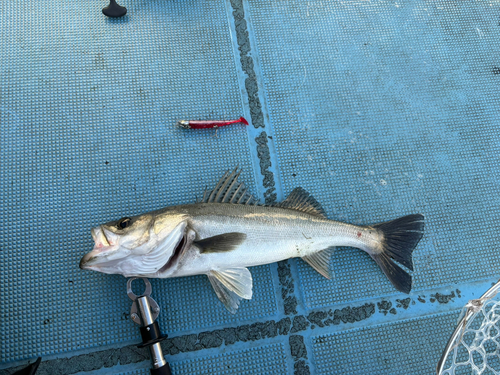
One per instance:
(378, 109)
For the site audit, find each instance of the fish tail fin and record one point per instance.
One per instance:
(399, 239)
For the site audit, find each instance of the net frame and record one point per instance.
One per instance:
(477, 332)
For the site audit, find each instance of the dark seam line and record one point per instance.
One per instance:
(299, 353)
(211, 339)
(247, 64)
(298, 349)
(252, 89)
(265, 163)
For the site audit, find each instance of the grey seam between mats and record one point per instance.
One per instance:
(298, 349)
(348, 317)
(207, 340)
(262, 150)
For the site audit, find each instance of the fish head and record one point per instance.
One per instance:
(137, 246)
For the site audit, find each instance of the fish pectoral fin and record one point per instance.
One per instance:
(320, 261)
(231, 286)
(221, 243)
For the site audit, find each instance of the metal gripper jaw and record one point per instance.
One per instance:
(144, 312)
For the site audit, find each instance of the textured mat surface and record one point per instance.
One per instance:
(391, 109)
(378, 109)
(378, 344)
(88, 112)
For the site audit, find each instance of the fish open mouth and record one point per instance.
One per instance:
(159, 257)
(101, 248)
(99, 237)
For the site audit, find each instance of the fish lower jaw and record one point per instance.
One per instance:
(98, 256)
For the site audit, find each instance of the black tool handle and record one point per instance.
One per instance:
(163, 370)
(151, 334)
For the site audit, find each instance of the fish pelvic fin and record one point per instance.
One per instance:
(231, 285)
(301, 200)
(320, 261)
(400, 237)
(221, 243)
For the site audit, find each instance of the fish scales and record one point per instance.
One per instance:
(273, 234)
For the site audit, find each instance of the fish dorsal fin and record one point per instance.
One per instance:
(221, 243)
(231, 285)
(229, 190)
(320, 261)
(301, 200)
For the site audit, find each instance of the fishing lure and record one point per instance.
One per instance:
(208, 124)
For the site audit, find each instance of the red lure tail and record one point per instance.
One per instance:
(243, 121)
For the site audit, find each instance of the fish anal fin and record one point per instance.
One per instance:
(301, 200)
(320, 261)
(231, 285)
(221, 243)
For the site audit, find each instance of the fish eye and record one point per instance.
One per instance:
(123, 223)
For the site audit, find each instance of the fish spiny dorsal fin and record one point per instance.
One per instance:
(206, 194)
(301, 200)
(213, 193)
(229, 190)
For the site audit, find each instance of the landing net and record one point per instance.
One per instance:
(474, 347)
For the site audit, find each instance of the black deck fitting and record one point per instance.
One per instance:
(114, 10)
(31, 369)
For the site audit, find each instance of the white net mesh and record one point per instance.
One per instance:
(474, 347)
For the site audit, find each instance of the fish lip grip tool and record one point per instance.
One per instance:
(144, 312)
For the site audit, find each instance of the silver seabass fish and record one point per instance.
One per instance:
(227, 232)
